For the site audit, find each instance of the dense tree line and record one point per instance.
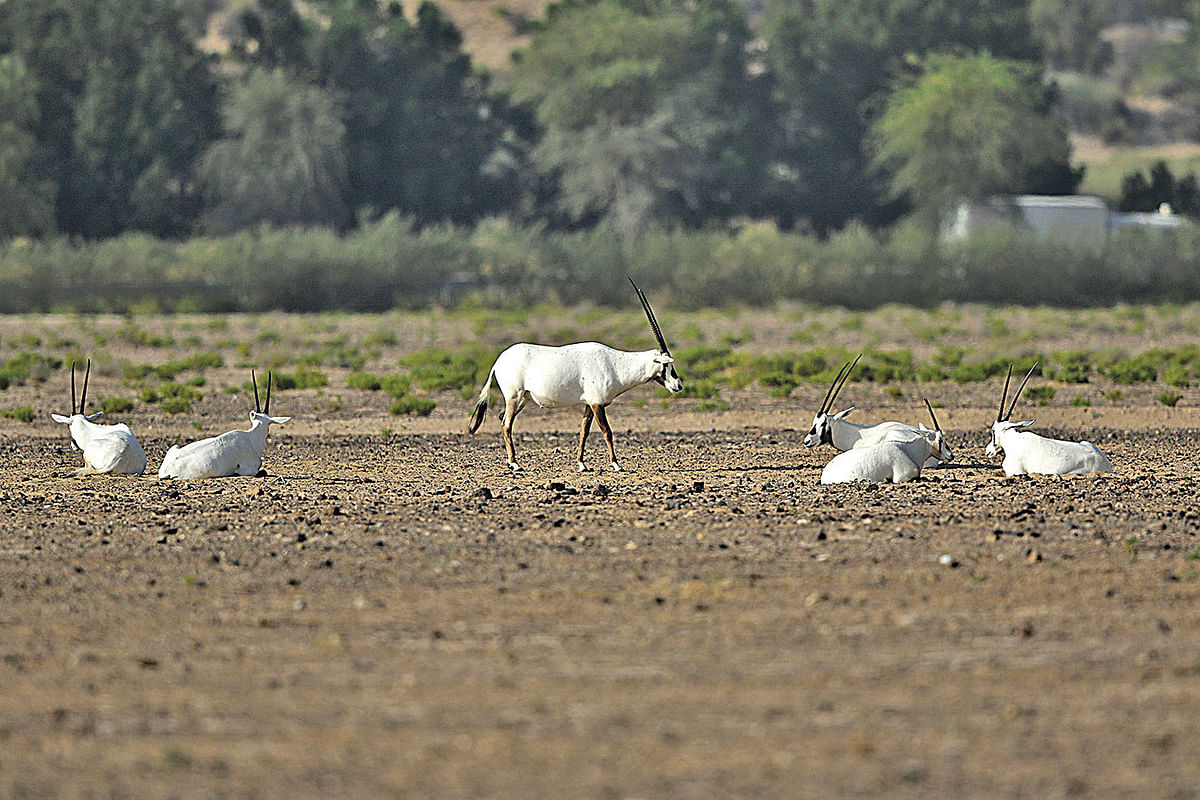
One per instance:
(620, 114)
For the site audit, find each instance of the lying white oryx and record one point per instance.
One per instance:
(106, 448)
(898, 457)
(834, 430)
(237, 452)
(586, 374)
(1027, 453)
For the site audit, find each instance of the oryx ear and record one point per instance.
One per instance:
(663, 358)
(1024, 423)
(60, 418)
(921, 426)
(94, 417)
(843, 414)
(280, 420)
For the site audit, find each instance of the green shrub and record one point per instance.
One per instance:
(1073, 367)
(364, 380)
(116, 405)
(703, 388)
(176, 405)
(21, 413)
(1139, 369)
(1169, 398)
(302, 378)
(396, 386)
(441, 370)
(1042, 395)
(420, 406)
(25, 367)
(1080, 401)
(701, 361)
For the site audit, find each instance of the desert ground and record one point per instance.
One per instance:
(390, 612)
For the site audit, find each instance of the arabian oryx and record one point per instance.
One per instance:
(237, 452)
(897, 457)
(586, 374)
(106, 448)
(834, 430)
(1027, 453)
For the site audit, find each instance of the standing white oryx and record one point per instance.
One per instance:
(834, 430)
(1027, 453)
(237, 452)
(897, 457)
(586, 374)
(106, 448)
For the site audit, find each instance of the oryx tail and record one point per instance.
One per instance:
(481, 406)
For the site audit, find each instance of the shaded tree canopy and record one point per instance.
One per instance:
(967, 128)
(26, 199)
(648, 117)
(424, 133)
(126, 103)
(835, 62)
(283, 159)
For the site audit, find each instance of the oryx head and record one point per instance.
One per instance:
(940, 449)
(1002, 422)
(76, 418)
(665, 365)
(263, 414)
(822, 424)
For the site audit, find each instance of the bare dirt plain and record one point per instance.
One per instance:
(398, 616)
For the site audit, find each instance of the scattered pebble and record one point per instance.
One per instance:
(947, 560)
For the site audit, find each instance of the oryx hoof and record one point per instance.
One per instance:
(514, 466)
(615, 467)
(584, 467)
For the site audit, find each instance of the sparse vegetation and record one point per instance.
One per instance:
(20, 413)
(1169, 398)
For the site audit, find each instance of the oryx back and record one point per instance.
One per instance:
(896, 460)
(1029, 453)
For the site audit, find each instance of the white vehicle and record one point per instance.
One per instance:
(1027, 453)
(834, 430)
(586, 374)
(237, 452)
(111, 449)
(897, 458)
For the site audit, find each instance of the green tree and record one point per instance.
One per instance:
(282, 159)
(1069, 31)
(126, 103)
(26, 199)
(966, 128)
(835, 62)
(425, 135)
(651, 114)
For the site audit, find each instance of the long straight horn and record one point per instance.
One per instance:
(1004, 396)
(1017, 396)
(267, 405)
(83, 394)
(829, 392)
(936, 426)
(838, 390)
(254, 382)
(74, 405)
(662, 343)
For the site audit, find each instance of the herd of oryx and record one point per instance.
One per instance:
(590, 376)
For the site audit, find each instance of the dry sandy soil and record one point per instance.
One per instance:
(399, 616)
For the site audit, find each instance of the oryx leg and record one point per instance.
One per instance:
(602, 421)
(512, 407)
(584, 428)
